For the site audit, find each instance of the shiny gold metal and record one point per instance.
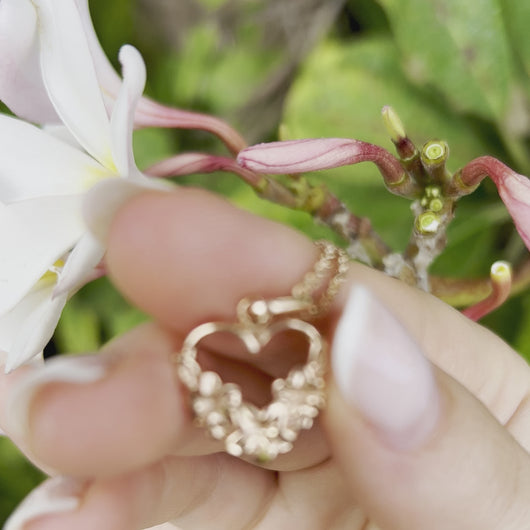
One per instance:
(264, 433)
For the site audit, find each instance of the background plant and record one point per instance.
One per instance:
(457, 71)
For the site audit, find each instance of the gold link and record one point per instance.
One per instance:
(331, 267)
(246, 430)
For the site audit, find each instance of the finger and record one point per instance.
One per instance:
(215, 492)
(417, 449)
(211, 492)
(106, 414)
(189, 257)
(99, 414)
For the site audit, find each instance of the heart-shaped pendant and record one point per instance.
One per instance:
(266, 432)
(259, 432)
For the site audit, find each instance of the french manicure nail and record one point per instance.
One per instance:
(80, 369)
(3, 360)
(105, 198)
(381, 371)
(103, 201)
(56, 495)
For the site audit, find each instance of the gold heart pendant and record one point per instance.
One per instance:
(259, 432)
(266, 432)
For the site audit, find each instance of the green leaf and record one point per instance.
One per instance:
(343, 87)
(114, 23)
(471, 239)
(79, 329)
(94, 315)
(217, 75)
(517, 17)
(17, 477)
(152, 145)
(459, 47)
(522, 339)
(212, 4)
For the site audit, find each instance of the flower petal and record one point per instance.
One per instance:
(21, 85)
(27, 328)
(122, 120)
(33, 163)
(70, 78)
(34, 234)
(80, 264)
(514, 190)
(62, 133)
(109, 80)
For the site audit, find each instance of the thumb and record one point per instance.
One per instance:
(417, 449)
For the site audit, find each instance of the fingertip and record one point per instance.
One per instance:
(380, 371)
(191, 255)
(71, 419)
(410, 439)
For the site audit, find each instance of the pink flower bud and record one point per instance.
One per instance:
(501, 285)
(299, 156)
(514, 189)
(313, 154)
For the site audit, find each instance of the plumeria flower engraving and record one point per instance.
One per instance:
(48, 252)
(22, 87)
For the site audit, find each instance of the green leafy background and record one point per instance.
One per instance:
(454, 70)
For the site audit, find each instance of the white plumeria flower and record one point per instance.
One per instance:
(25, 329)
(22, 87)
(43, 181)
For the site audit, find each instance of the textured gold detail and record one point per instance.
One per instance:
(245, 429)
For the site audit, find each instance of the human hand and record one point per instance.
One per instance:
(427, 424)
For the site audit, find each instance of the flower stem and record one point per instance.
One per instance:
(152, 114)
(501, 283)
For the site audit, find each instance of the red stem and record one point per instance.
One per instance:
(152, 114)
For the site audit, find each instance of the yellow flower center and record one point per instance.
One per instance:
(50, 276)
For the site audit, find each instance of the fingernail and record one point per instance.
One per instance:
(80, 369)
(56, 495)
(104, 199)
(102, 202)
(3, 360)
(381, 371)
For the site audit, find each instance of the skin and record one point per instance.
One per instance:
(189, 257)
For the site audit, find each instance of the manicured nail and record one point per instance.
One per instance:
(103, 201)
(56, 495)
(105, 198)
(381, 371)
(3, 360)
(80, 369)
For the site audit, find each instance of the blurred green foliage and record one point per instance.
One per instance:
(17, 478)
(453, 70)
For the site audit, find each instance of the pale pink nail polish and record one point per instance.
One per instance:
(56, 495)
(381, 371)
(81, 369)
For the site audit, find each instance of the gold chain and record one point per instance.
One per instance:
(332, 266)
(264, 433)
